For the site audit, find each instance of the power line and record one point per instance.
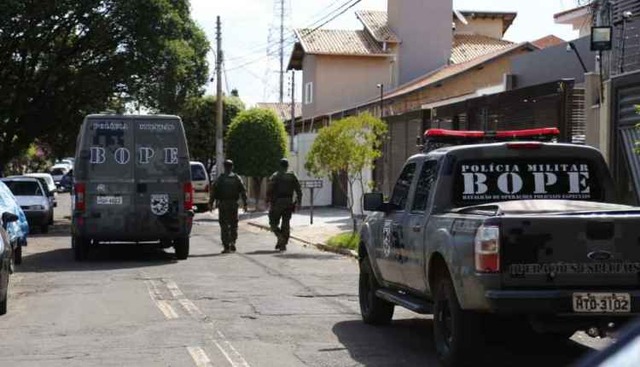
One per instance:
(291, 36)
(355, 2)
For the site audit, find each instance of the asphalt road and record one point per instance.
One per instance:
(140, 307)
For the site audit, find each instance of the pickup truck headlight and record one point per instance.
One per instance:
(487, 249)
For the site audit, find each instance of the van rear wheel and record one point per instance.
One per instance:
(17, 256)
(181, 247)
(80, 248)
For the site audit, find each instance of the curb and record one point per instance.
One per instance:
(319, 246)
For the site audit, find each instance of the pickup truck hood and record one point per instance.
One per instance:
(549, 207)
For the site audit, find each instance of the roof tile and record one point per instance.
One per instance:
(469, 46)
(339, 42)
(376, 23)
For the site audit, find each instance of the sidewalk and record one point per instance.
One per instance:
(327, 222)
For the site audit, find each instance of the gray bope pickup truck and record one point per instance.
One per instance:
(495, 238)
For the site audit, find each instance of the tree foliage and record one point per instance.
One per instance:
(199, 118)
(347, 146)
(62, 60)
(256, 141)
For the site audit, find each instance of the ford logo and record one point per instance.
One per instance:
(599, 255)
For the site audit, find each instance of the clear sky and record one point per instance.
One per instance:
(246, 33)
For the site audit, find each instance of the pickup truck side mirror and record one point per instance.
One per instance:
(8, 218)
(373, 202)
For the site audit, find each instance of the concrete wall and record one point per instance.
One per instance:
(489, 76)
(592, 109)
(342, 81)
(485, 27)
(309, 74)
(302, 145)
(425, 30)
(553, 63)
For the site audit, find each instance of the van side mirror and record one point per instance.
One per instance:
(8, 218)
(373, 202)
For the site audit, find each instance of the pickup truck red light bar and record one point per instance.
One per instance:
(436, 138)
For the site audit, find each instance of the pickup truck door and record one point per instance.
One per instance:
(389, 256)
(414, 269)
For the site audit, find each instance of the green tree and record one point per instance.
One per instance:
(199, 115)
(347, 146)
(256, 141)
(62, 60)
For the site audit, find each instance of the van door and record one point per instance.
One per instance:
(105, 167)
(161, 171)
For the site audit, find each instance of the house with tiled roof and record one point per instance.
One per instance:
(346, 68)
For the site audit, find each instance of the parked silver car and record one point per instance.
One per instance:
(33, 198)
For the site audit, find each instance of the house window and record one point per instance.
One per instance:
(308, 93)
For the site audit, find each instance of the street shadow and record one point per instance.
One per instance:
(409, 342)
(310, 256)
(101, 257)
(208, 255)
(58, 229)
(262, 252)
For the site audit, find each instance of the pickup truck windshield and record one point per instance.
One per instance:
(484, 181)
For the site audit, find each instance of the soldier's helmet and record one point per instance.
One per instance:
(284, 163)
(228, 164)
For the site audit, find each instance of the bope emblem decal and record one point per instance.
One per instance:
(160, 204)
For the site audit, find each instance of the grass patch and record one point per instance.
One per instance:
(347, 240)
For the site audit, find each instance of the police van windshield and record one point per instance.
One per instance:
(484, 181)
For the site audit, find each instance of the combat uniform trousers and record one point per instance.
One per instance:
(228, 218)
(281, 211)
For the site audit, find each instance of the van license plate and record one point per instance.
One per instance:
(109, 200)
(602, 302)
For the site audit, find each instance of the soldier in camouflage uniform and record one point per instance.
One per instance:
(282, 185)
(226, 192)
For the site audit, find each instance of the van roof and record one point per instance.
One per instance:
(135, 117)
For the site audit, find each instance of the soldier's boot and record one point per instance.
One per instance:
(226, 250)
(232, 247)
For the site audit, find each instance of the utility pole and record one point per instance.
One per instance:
(293, 106)
(219, 148)
(281, 51)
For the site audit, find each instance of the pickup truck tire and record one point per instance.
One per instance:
(456, 332)
(374, 310)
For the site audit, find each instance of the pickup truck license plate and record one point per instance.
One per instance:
(602, 302)
(109, 200)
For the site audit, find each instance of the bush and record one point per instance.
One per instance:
(345, 240)
(256, 141)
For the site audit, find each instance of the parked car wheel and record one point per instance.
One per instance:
(374, 310)
(17, 256)
(80, 248)
(456, 332)
(181, 247)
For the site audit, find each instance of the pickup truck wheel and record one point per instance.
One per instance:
(181, 247)
(374, 310)
(456, 332)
